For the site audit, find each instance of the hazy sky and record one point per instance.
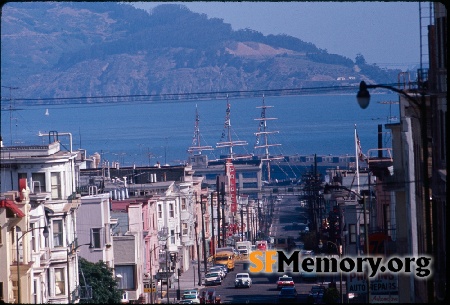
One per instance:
(386, 33)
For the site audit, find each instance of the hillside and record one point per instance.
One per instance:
(71, 49)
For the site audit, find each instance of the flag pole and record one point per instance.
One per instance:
(357, 159)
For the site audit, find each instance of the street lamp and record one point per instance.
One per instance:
(151, 273)
(71, 251)
(339, 253)
(363, 98)
(203, 229)
(45, 233)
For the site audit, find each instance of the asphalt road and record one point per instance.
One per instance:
(287, 212)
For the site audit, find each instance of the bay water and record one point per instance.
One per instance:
(144, 133)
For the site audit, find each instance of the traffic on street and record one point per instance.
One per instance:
(290, 223)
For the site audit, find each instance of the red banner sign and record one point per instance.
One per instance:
(231, 174)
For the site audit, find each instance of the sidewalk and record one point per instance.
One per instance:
(187, 280)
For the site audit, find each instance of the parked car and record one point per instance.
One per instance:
(242, 280)
(191, 295)
(213, 278)
(285, 281)
(287, 295)
(209, 296)
(224, 268)
(219, 270)
(316, 293)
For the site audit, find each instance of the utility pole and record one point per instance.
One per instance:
(218, 212)
(258, 215)
(242, 224)
(222, 191)
(248, 225)
(203, 231)
(212, 224)
(198, 256)
(167, 273)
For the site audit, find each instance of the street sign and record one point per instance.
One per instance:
(382, 283)
(163, 275)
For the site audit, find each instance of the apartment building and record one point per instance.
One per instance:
(45, 269)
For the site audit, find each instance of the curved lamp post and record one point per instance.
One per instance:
(363, 98)
(339, 253)
(71, 251)
(151, 267)
(45, 233)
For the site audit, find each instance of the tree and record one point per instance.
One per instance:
(360, 60)
(101, 278)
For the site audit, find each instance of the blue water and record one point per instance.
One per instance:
(144, 133)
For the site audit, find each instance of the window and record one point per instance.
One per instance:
(56, 185)
(183, 204)
(58, 233)
(171, 211)
(172, 236)
(210, 176)
(352, 231)
(249, 175)
(96, 237)
(35, 288)
(159, 211)
(126, 278)
(33, 237)
(362, 235)
(184, 228)
(38, 182)
(249, 185)
(60, 285)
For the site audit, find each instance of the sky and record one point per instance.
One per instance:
(385, 33)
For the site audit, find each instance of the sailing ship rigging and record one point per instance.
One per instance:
(197, 148)
(264, 131)
(227, 134)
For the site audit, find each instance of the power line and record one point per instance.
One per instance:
(148, 98)
(10, 109)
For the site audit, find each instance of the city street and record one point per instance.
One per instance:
(288, 214)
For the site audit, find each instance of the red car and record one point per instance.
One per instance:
(209, 296)
(285, 281)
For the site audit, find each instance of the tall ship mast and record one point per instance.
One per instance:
(263, 131)
(227, 134)
(197, 148)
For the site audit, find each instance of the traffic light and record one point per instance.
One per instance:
(153, 285)
(179, 272)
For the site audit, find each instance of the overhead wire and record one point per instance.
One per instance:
(180, 97)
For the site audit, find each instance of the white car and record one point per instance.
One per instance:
(191, 296)
(219, 270)
(242, 280)
(213, 278)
